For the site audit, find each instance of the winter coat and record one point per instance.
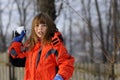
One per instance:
(43, 62)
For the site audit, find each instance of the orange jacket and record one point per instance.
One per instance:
(44, 63)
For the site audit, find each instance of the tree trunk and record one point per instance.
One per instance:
(47, 6)
(90, 28)
(115, 36)
(101, 31)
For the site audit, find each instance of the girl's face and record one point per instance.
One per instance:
(40, 30)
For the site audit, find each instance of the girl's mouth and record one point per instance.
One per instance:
(40, 32)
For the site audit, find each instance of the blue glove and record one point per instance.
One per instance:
(20, 37)
(58, 77)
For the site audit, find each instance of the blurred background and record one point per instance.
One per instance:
(90, 28)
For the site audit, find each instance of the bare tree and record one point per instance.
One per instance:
(115, 20)
(87, 16)
(108, 29)
(3, 35)
(22, 7)
(90, 28)
(101, 31)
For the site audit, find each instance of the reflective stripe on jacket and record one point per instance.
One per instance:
(44, 62)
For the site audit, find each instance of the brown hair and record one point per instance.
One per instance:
(51, 29)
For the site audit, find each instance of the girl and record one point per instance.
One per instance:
(43, 54)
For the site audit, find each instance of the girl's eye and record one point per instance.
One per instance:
(43, 25)
(36, 25)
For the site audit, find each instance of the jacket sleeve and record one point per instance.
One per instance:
(65, 63)
(16, 56)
